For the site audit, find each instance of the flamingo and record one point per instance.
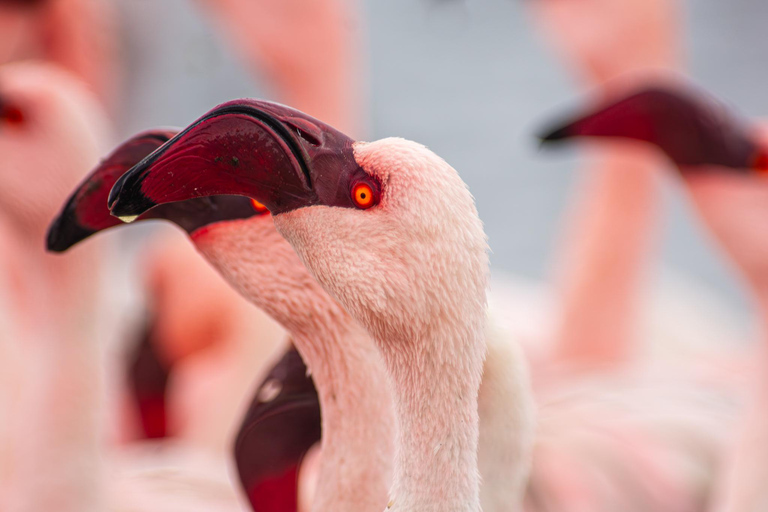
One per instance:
(406, 256)
(351, 382)
(607, 45)
(721, 159)
(505, 372)
(200, 131)
(74, 34)
(50, 127)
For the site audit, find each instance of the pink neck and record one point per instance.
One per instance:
(436, 403)
(357, 416)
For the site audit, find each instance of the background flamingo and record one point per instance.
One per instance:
(721, 159)
(52, 126)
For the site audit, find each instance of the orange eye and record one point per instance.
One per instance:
(362, 195)
(260, 208)
(760, 162)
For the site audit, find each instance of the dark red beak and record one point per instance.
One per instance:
(282, 423)
(86, 212)
(279, 156)
(692, 129)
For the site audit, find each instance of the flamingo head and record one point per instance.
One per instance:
(51, 128)
(694, 130)
(388, 228)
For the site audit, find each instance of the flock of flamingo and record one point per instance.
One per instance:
(382, 368)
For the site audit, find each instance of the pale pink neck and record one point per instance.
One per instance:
(357, 413)
(436, 404)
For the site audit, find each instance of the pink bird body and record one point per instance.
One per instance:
(214, 342)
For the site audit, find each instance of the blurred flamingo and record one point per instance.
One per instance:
(722, 160)
(51, 126)
(77, 35)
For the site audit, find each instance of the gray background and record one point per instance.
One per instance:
(472, 81)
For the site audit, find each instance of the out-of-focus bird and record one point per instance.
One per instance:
(722, 160)
(77, 35)
(280, 428)
(603, 40)
(51, 127)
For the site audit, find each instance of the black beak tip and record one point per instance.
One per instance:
(114, 192)
(64, 233)
(558, 134)
(126, 198)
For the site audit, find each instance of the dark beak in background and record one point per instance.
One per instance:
(281, 424)
(693, 130)
(86, 212)
(279, 156)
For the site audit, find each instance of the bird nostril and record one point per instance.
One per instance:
(304, 131)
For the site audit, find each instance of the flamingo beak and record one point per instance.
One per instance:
(692, 130)
(276, 155)
(86, 212)
(281, 425)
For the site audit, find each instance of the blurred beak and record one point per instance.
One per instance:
(691, 129)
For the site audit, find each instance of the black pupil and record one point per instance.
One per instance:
(362, 196)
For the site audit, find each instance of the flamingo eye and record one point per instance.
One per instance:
(363, 195)
(258, 207)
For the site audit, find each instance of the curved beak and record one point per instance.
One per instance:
(281, 425)
(693, 130)
(86, 212)
(279, 156)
